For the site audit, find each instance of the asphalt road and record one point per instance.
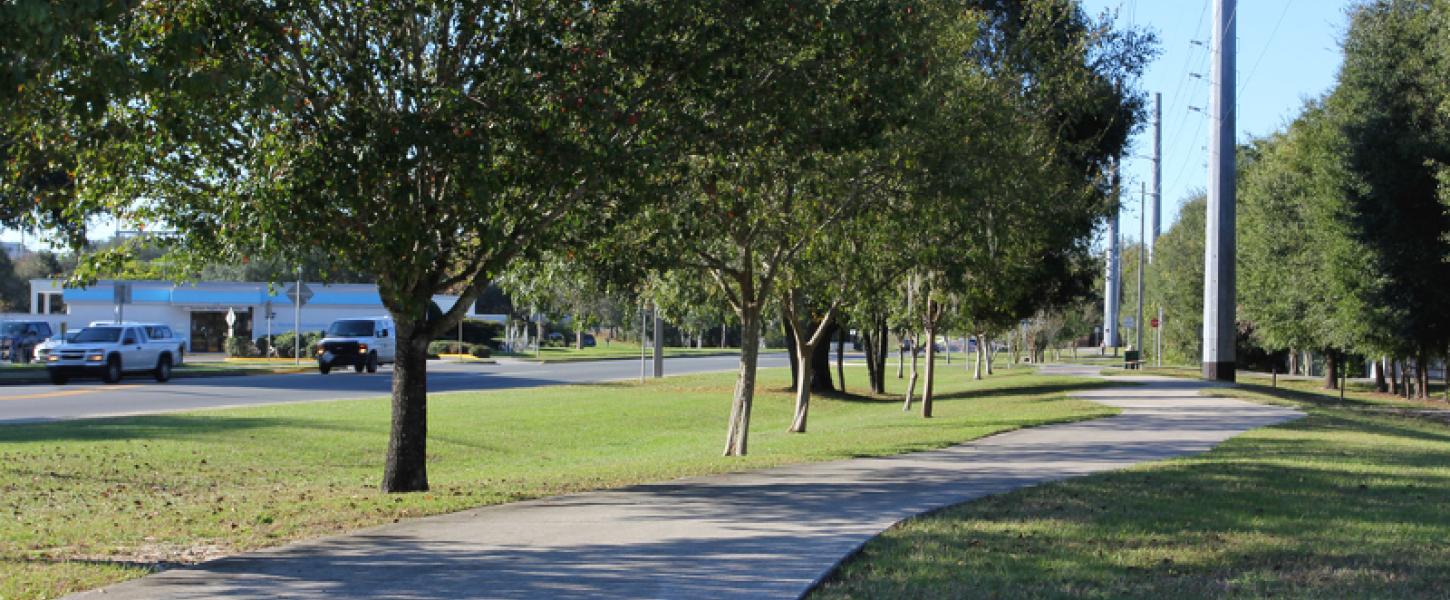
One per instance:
(141, 395)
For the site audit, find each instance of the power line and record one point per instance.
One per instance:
(1272, 33)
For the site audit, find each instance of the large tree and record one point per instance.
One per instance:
(1391, 107)
(428, 147)
(777, 102)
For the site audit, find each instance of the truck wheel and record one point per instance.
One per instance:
(373, 362)
(56, 377)
(112, 374)
(163, 368)
(323, 367)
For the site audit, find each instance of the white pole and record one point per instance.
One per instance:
(1110, 294)
(1219, 248)
(297, 322)
(1142, 260)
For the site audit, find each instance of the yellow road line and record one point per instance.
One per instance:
(62, 393)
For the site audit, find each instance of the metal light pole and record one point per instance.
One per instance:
(1219, 250)
(1142, 260)
(1157, 213)
(297, 321)
(1110, 294)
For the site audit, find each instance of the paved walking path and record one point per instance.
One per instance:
(762, 534)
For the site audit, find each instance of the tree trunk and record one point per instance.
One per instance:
(900, 355)
(722, 335)
(926, 396)
(738, 434)
(911, 383)
(406, 467)
(878, 384)
(790, 350)
(1404, 378)
(841, 357)
(1331, 369)
(1422, 376)
(977, 374)
(868, 339)
(578, 334)
(988, 356)
(802, 389)
(1293, 361)
(821, 356)
(812, 343)
(1392, 373)
(1379, 375)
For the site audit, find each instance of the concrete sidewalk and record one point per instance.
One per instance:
(762, 534)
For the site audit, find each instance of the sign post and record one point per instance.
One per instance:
(299, 294)
(267, 313)
(1158, 338)
(231, 322)
(121, 297)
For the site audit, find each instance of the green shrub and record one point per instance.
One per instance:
(239, 347)
(310, 339)
(444, 347)
(480, 351)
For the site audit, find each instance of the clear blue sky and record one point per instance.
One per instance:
(1288, 51)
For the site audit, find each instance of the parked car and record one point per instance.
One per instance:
(158, 332)
(362, 343)
(110, 351)
(587, 340)
(43, 349)
(18, 339)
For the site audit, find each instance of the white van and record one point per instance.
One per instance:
(364, 343)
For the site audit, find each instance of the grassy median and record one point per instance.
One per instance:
(1351, 502)
(90, 502)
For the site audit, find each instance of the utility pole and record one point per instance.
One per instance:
(1157, 213)
(1110, 294)
(1219, 245)
(1157, 174)
(1142, 261)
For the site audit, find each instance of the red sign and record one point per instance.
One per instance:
(1155, 323)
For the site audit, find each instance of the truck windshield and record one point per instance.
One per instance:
(99, 334)
(350, 329)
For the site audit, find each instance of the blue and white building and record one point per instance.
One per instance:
(198, 310)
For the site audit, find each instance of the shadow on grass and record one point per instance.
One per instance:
(149, 427)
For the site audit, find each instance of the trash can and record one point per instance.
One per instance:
(1130, 359)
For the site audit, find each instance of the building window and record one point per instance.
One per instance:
(53, 304)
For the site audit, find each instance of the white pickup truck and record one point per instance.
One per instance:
(111, 351)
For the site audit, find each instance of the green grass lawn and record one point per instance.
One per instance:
(1351, 502)
(614, 350)
(86, 503)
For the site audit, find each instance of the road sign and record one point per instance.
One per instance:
(231, 317)
(122, 293)
(1155, 323)
(299, 293)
